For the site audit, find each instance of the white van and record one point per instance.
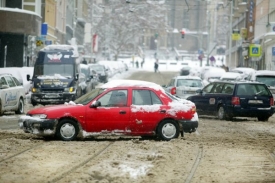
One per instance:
(265, 76)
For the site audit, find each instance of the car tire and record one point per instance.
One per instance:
(167, 130)
(263, 118)
(20, 109)
(33, 103)
(67, 130)
(1, 111)
(222, 115)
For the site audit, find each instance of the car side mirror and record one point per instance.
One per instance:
(199, 91)
(76, 76)
(95, 104)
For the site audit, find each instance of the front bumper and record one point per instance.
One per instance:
(189, 126)
(37, 126)
(52, 98)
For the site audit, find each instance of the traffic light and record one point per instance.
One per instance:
(182, 34)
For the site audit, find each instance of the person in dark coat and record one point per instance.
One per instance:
(156, 65)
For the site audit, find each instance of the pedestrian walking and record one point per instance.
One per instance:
(137, 64)
(156, 65)
(141, 64)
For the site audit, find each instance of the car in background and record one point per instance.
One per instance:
(86, 80)
(119, 107)
(264, 76)
(185, 71)
(20, 73)
(244, 71)
(213, 74)
(228, 99)
(231, 76)
(184, 86)
(100, 71)
(12, 94)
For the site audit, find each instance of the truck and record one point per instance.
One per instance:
(55, 75)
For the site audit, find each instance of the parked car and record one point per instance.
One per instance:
(231, 76)
(12, 94)
(119, 107)
(226, 99)
(184, 86)
(244, 71)
(86, 80)
(264, 76)
(101, 72)
(213, 74)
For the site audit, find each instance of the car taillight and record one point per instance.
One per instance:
(235, 101)
(271, 101)
(173, 91)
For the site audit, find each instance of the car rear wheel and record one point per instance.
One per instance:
(67, 130)
(20, 109)
(1, 111)
(222, 115)
(263, 118)
(167, 130)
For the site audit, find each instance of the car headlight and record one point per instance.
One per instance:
(35, 90)
(71, 89)
(40, 116)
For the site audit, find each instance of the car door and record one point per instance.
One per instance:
(147, 111)
(12, 94)
(205, 100)
(113, 114)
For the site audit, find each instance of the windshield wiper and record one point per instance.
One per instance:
(259, 92)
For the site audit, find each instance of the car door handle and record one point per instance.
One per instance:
(162, 111)
(122, 112)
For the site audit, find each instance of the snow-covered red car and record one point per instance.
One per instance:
(119, 107)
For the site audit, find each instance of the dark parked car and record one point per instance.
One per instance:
(101, 72)
(227, 99)
(185, 71)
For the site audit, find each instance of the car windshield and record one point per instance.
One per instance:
(66, 70)
(268, 80)
(85, 99)
(171, 96)
(189, 82)
(97, 68)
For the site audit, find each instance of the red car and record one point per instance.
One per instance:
(119, 107)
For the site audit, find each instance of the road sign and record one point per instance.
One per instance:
(255, 50)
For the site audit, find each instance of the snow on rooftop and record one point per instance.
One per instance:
(18, 11)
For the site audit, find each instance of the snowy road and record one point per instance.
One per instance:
(220, 151)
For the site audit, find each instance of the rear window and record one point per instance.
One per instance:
(268, 80)
(253, 89)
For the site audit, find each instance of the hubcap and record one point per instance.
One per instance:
(67, 130)
(169, 130)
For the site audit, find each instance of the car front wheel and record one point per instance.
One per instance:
(20, 109)
(167, 130)
(67, 130)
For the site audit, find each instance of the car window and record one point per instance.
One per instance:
(114, 98)
(145, 97)
(268, 80)
(208, 88)
(16, 81)
(85, 99)
(171, 83)
(228, 88)
(217, 88)
(3, 81)
(253, 89)
(10, 81)
(189, 82)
